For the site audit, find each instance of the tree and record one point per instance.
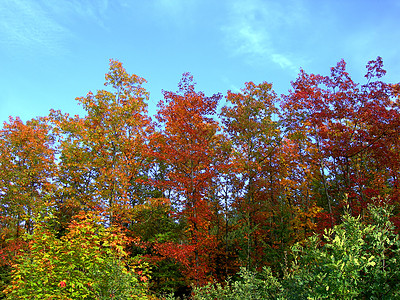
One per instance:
(27, 169)
(347, 131)
(250, 122)
(188, 144)
(102, 154)
(353, 260)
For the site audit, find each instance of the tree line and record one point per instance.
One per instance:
(197, 192)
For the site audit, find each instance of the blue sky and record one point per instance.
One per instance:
(52, 51)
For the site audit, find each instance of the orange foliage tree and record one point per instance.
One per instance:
(27, 168)
(27, 172)
(102, 153)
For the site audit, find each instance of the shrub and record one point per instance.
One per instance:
(354, 260)
(251, 285)
(89, 262)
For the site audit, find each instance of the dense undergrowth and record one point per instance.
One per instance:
(358, 259)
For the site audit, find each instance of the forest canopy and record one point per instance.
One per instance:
(208, 187)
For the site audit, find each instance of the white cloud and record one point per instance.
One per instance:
(179, 11)
(255, 28)
(250, 40)
(282, 61)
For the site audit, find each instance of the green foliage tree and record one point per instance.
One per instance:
(250, 125)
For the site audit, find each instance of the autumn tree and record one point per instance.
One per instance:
(27, 172)
(188, 143)
(346, 131)
(88, 262)
(199, 201)
(251, 123)
(102, 152)
(27, 168)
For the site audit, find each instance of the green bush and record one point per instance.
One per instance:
(251, 285)
(353, 261)
(89, 262)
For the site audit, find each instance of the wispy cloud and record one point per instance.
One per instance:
(255, 29)
(178, 12)
(38, 25)
(25, 24)
(95, 11)
(283, 61)
(173, 7)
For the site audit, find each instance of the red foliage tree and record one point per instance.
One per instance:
(189, 144)
(350, 131)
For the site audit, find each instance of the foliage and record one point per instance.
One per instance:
(251, 285)
(9, 250)
(200, 194)
(5, 279)
(102, 153)
(189, 144)
(153, 225)
(348, 134)
(255, 137)
(27, 171)
(87, 263)
(353, 260)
